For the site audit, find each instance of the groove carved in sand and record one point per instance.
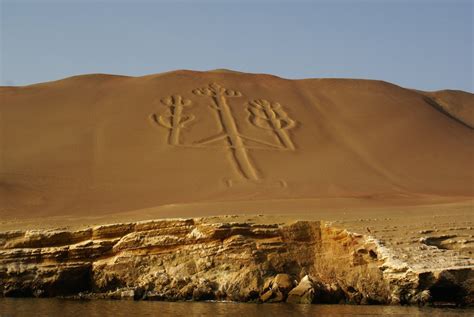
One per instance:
(173, 118)
(271, 116)
(263, 114)
(230, 133)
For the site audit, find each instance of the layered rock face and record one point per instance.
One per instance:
(196, 259)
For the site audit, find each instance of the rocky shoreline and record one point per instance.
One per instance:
(197, 259)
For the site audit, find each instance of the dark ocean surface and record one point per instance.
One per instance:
(70, 308)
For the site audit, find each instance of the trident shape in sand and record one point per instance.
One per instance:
(173, 119)
(271, 116)
(231, 133)
(262, 114)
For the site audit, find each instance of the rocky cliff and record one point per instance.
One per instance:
(196, 259)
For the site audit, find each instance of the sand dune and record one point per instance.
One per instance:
(101, 144)
(458, 104)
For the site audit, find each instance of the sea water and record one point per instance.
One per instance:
(69, 308)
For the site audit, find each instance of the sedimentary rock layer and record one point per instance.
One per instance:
(184, 259)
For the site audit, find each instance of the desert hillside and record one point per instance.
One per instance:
(101, 144)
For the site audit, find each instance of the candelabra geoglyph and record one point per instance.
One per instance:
(262, 114)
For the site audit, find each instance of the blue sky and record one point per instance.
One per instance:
(419, 44)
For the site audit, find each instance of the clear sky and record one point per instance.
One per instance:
(423, 44)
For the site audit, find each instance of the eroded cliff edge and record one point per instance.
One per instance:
(195, 259)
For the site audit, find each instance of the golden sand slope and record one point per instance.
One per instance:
(100, 144)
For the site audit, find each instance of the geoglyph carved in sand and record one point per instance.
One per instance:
(263, 114)
(271, 116)
(173, 118)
